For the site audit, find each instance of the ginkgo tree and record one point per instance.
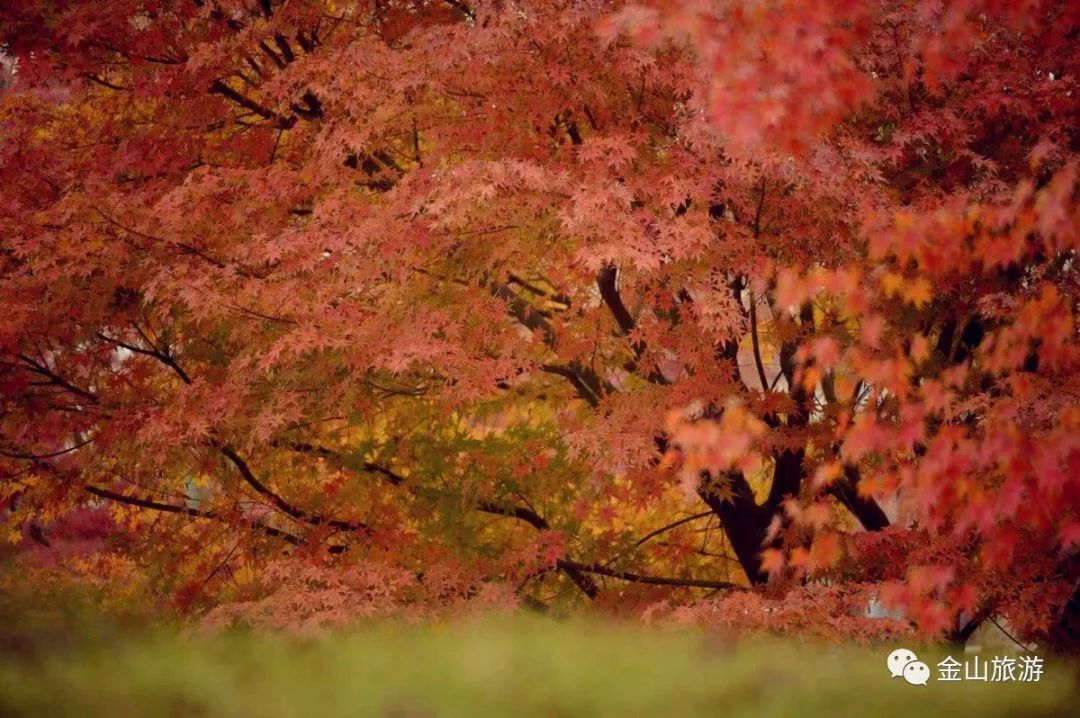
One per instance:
(751, 305)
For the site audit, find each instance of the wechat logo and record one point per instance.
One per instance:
(903, 663)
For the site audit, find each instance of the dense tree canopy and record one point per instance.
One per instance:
(733, 304)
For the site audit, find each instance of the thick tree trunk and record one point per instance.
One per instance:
(865, 509)
(744, 522)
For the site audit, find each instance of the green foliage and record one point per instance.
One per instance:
(518, 668)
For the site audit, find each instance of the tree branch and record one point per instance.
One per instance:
(188, 511)
(756, 345)
(219, 87)
(609, 293)
(283, 505)
(465, 9)
(162, 356)
(605, 282)
(673, 525)
(521, 513)
(653, 580)
(865, 509)
(58, 380)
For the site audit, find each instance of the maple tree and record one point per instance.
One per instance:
(749, 306)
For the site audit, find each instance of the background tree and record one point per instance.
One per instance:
(511, 288)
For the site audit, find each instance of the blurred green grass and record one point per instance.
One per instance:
(516, 666)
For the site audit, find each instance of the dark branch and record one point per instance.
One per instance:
(756, 344)
(605, 281)
(865, 509)
(187, 511)
(161, 355)
(672, 525)
(220, 88)
(521, 513)
(653, 580)
(609, 293)
(57, 380)
(281, 504)
(462, 7)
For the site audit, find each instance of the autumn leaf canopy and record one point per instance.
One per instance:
(763, 311)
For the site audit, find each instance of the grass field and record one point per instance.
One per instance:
(514, 667)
